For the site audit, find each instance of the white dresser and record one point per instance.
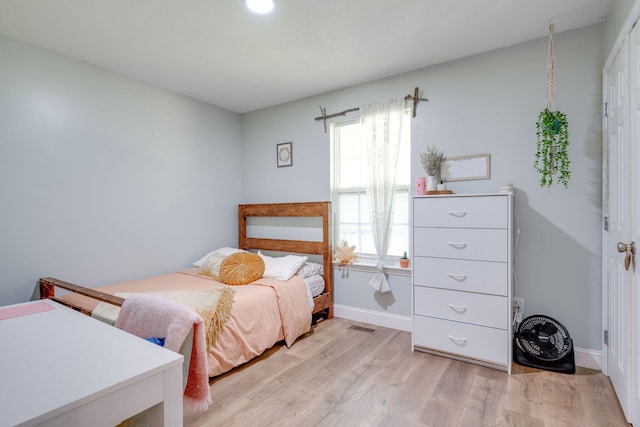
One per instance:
(462, 277)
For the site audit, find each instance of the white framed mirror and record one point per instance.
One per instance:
(465, 168)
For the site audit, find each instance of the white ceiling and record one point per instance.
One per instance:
(219, 52)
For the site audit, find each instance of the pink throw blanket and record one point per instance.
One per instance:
(148, 316)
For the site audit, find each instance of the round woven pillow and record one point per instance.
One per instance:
(241, 268)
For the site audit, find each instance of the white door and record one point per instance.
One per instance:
(618, 280)
(622, 86)
(634, 204)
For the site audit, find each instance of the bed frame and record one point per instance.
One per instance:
(323, 302)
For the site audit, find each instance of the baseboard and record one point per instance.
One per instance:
(585, 357)
(588, 358)
(386, 320)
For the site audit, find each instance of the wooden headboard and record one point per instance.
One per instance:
(323, 302)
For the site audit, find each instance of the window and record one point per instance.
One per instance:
(348, 181)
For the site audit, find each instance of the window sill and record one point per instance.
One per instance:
(371, 267)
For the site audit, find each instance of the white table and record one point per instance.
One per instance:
(63, 368)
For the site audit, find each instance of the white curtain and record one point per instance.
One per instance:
(382, 128)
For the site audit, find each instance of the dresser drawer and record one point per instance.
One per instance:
(463, 275)
(461, 243)
(468, 307)
(463, 212)
(467, 340)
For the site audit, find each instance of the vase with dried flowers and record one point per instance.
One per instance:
(431, 162)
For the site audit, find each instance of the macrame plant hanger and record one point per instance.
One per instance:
(552, 155)
(550, 96)
(550, 101)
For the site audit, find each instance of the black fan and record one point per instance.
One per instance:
(544, 343)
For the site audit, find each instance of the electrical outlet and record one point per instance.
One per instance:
(518, 308)
(518, 304)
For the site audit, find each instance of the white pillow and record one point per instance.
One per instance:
(220, 251)
(281, 268)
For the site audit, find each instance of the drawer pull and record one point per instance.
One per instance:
(458, 214)
(458, 308)
(458, 277)
(457, 245)
(457, 340)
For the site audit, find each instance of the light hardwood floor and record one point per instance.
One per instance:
(340, 376)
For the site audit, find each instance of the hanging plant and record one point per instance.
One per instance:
(552, 157)
(552, 130)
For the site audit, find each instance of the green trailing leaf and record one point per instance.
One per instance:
(552, 157)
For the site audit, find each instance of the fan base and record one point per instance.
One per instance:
(565, 365)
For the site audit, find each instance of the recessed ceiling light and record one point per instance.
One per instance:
(260, 6)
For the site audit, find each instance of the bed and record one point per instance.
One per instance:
(259, 316)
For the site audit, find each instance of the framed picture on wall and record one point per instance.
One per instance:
(284, 153)
(465, 168)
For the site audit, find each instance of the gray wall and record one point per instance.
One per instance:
(486, 103)
(105, 179)
(616, 18)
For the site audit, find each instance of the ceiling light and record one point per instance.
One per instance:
(260, 6)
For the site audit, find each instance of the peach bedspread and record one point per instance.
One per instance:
(263, 313)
